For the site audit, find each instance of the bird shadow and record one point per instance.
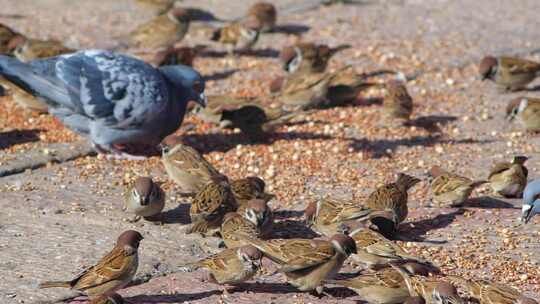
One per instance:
(219, 142)
(220, 75)
(367, 102)
(197, 14)
(487, 202)
(178, 215)
(290, 229)
(431, 123)
(17, 137)
(290, 29)
(287, 214)
(259, 53)
(416, 231)
(173, 298)
(385, 148)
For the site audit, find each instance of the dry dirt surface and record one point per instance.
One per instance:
(58, 219)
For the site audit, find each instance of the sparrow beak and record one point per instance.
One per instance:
(526, 213)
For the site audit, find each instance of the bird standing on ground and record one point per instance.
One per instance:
(163, 31)
(235, 226)
(527, 111)
(451, 189)
(186, 166)
(173, 56)
(398, 104)
(230, 266)
(509, 178)
(509, 73)
(113, 99)
(531, 201)
(308, 263)
(113, 272)
(144, 198)
(487, 292)
(393, 197)
(240, 36)
(308, 57)
(210, 205)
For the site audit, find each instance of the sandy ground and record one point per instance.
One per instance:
(58, 219)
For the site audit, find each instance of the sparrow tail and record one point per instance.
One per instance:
(198, 227)
(340, 47)
(53, 284)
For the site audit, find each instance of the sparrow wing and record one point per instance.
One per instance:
(113, 266)
(499, 168)
(520, 66)
(189, 160)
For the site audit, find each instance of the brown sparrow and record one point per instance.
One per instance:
(144, 198)
(216, 104)
(265, 14)
(108, 299)
(308, 263)
(305, 91)
(258, 213)
(113, 272)
(527, 110)
(9, 39)
(385, 286)
(32, 49)
(210, 205)
(326, 216)
(235, 225)
(509, 73)
(24, 99)
(393, 197)
(249, 188)
(434, 292)
(163, 31)
(308, 57)
(173, 56)
(487, 292)
(449, 188)
(398, 104)
(240, 36)
(509, 178)
(185, 166)
(231, 266)
(376, 251)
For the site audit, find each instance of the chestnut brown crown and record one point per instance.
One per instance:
(487, 67)
(130, 238)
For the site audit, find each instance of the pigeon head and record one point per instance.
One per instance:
(188, 82)
(529, 210)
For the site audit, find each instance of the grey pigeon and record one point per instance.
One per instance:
(113, 99)
(531, 200)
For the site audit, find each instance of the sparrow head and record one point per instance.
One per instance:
(415, 300)
(344, 244)
(310, 212)
(519, 160)
(516, 106)
(250, 256)
(16, 43)
(436, 171)
(276, 85)
(179, 15)
(257, 182)
(406, 182)
(525, 300)
(145, 190)
(290, 57)
(487, 67)
(169, 142)
(446, 293)
(263, 11)
(129, 239)
(187, 83)
(257, 212)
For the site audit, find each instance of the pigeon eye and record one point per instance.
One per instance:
(197, 87)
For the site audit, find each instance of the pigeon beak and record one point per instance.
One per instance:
(526, 213)
(202, 100)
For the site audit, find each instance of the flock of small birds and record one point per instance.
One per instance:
(124, 105)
